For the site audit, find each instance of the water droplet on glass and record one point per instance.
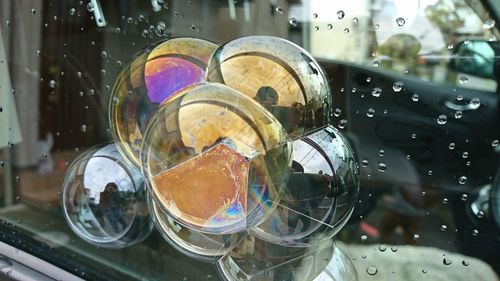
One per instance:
(443, 227)
(376, 63)
(130, 20)
(340, 14)
(397, 86)
(416, 236)
(364, 163)
(370, 112)
(382, 167)
(355, 21)
(52, 84)
(413, 136)
(145, 33)
(451, 146)
(292, 21)
(364, 238)
(441, 120)
(446, 261)
(5, 262)
(463, 79)
(462, 180)
(104, 54)
(382, 248)
(160, 29)
(465, 154)
(381, 153)
(400, 22)
(337, 112)
(83, 128)
(279, 10)
(414, 97)
(346, 30)
(376, 92)
(371, 270)
(480, 214)
(90, 7)
(458, 114)
(342, 123)
(475, 101)
(315, 15)
(494, 143)
(489, 24)
(329, 26)
(316, 28)
(445, 201)
(475, 232)
(465, 263)
(33, 11)
(72, 11)
(394, 249)
(464, 197)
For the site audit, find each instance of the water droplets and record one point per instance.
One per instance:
(376, 63)
(489, 24)
(475, 232)
(371, 270)
(397, 86)
(446, 261)
(451, 146)
(464, 197)
(342, 123)
(370, 112)
(465, 154)
(442, 119)
(444, 227)
(462, 180)
(329, 26)
(400, 22)
(160, 29)
(382, 248)
(72, 11)
(90, 7)
(83, 128)
(52, 84)
(364, 163)
(346, 30)
(475, 102)
(292, 22)
(340, 14)
(463, 79)
(465, 263)
(376, 92)
(415, 97)
(279, 10)
(458, 114)
(382, 167)
(494, 143)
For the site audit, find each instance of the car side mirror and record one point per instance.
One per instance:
(478, 58)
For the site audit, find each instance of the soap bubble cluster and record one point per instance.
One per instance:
(235, 148)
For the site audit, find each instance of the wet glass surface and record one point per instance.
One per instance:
(388, 109)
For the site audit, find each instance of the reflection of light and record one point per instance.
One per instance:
(99, 172)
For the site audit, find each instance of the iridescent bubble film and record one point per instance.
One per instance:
(152, 77)
(215, 159)
(280, 75)
(104, 199)
(320, 192)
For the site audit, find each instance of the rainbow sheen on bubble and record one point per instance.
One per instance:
(152, 77)
(280, 75)
(215, 159)
(320, 193)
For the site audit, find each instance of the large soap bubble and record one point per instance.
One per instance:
(152, 77)
(215, 160)
(320, 193)
(256, 259)
(104, 199)
(280, 75)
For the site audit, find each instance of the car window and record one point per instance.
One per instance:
(249, 140)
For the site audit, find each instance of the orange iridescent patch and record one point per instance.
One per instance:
(209, 189)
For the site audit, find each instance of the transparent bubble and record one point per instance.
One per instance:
(346, 30)
(451, 146)
(255, 259)
(458, 114)
(52, 83)
(214, 145)
(90, 7)
(447, 261)
(462, 180)
(382, 167)
(371, 270)
(329, 26)
(72, 11)
(292, 21)
(153, 76)
(280, 75)
(104, 199)
(415, 97)
(320, 193)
